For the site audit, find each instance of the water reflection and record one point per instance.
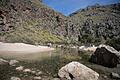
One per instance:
(67, 53)
(48, 62)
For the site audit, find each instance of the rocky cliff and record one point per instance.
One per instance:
(30, 21)
(97, 23)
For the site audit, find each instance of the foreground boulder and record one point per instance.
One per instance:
(106, 56)
(77, 71)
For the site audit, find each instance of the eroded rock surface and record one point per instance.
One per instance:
(77, 71)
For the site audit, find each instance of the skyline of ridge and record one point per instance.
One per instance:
(66, 7)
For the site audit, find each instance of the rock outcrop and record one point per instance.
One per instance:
(77, 71)
(96, 23)
(106, 56)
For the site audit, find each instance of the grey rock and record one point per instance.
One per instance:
(15, 78)
(13, 62)
(106, 56)
(27, 70)
(3, 62)
(77, 71)
(20, 68)
(39, 73)
(37, 78)
(114, 75)
(33, 72)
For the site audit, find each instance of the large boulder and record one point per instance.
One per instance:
(106, 56)
(77, 71)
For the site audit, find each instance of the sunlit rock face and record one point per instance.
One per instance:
(77, 71)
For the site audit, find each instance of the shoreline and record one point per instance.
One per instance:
(22, 48)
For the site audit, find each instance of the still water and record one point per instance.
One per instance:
(48, 62)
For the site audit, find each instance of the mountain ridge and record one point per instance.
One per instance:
(97, 22)
(31, 22)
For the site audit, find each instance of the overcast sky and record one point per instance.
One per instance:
(68, 6)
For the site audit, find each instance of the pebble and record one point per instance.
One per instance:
(33, 72)
(37, 78)
(13, 62)
(26, 70)
(20, 68)
(39, 73)
(15, 78)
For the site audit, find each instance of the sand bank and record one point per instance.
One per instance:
(22, 48)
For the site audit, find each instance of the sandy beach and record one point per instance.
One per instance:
(22, 48)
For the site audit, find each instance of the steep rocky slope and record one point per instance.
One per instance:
(97, 23)
(30, 21)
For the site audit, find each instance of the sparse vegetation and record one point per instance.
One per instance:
(115, 42)
(34, 23)
(27, 33)
(97, 23)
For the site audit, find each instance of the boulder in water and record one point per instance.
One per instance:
(106, 56)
